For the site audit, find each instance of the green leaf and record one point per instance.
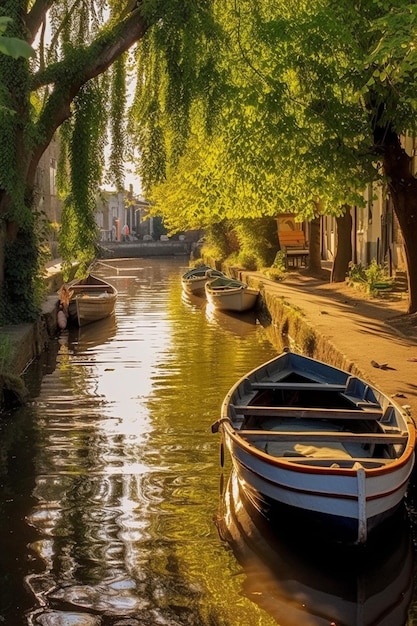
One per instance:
(11, 46)
(4, 21)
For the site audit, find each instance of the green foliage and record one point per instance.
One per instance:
(251, 244)
(287, 131)
(23, 288)
(117, 124)
(278, 270)
(243, 259)
(176, 66)
(219, 242)
(258, 241)
(158, 228)
(12, 46)
(14, 121)
(292, 125)
(356, 273)
(5, 353)
(391, 65)
(241, 111)
(279, 261)
(370, 278)
(78, 235)
(74, 45)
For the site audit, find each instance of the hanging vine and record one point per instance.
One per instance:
(75, 43)
(85, 153)
(117, 123)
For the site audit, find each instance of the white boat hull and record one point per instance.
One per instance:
(234, 299)
(193, 282)
(94, 307)
(195, 286)
(345, 469)
(337, 497)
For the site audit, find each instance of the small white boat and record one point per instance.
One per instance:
(88, 300)
(313, 443)
(228, 294)
(194, 280)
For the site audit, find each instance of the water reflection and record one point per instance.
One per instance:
(89, 337)
(117, 478)
(300, 584)
(196, 303)
(240, 324)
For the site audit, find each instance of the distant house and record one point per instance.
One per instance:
(115, 209)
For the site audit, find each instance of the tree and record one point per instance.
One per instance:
(268, 149)
(314, 98)
(390, 99)
(38, 96)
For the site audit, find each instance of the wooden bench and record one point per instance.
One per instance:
(293, 244)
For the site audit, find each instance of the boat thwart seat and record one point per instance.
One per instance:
(342, 436)
(301, 412)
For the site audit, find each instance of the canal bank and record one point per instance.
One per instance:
(25, 342)
(371, 337)
(329, 321)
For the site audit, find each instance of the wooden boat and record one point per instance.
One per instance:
(228, 294)
(300, 582)
(194, 280)
(88, 300)
(327, 449)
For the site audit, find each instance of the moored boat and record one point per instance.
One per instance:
(194, 280)
(228, 294)
(88, 300)
(323, 447)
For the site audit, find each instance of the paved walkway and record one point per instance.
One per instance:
(360, 328)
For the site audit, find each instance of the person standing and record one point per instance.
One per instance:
(125, 233)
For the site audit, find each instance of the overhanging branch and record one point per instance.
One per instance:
(67, 81)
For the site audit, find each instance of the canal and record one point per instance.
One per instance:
(115, 510)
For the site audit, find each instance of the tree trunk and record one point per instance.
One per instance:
(343, 254)
(2, 248)
(314, 256)
(403, 188)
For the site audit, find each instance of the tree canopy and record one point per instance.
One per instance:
(312, 99)
(64, 85)
(241, 109)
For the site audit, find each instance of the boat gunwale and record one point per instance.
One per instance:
(326, 494)
(286, 463)
(226, 423)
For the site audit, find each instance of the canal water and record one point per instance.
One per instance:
(115, 507)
